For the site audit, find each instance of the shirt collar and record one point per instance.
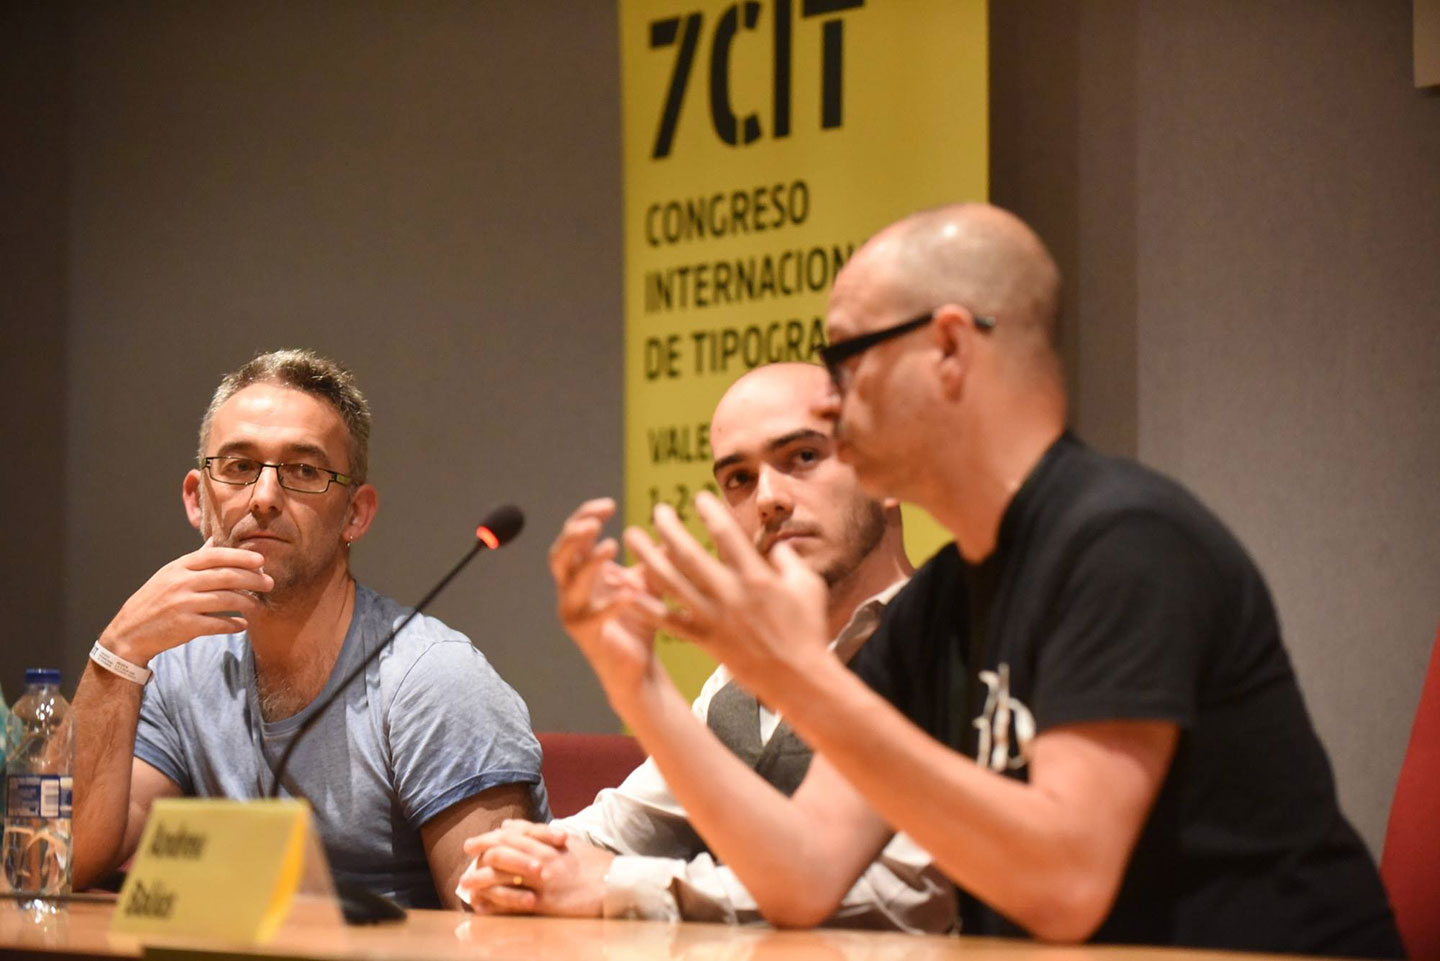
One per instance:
(864, 621)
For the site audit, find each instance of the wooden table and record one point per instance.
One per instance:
(81, 931)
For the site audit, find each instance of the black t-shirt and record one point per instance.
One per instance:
(1112, 594)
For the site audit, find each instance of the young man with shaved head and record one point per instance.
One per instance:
(1082, 708)
(633, 853)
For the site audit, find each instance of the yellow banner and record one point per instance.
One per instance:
(763, 143)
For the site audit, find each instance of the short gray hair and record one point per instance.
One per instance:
(304, 370)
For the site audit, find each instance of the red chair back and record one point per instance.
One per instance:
(1410, 865)
(577, 766)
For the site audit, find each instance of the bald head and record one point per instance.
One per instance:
(962, 375)
(975, 255)
(795, 387)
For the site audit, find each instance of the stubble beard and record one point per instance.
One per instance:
(294, 578)
(861, 532)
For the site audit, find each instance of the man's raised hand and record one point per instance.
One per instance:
(208, 591)
(599, 602)
(762, 617)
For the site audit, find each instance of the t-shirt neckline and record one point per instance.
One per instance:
(270, 730)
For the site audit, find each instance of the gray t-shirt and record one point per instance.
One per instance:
(431, 724)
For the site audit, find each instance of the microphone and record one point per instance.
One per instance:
(499, 528)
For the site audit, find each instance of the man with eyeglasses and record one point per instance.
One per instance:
(204, 675)
(1081, 708)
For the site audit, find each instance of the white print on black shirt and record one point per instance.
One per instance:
(1002, 715)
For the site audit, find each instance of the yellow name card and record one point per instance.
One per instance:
(216, 869)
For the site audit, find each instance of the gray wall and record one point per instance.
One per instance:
(427, 192)
(1245, 201)
(1306, 270)
(1244, 197)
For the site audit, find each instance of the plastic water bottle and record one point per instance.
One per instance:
(39, 759)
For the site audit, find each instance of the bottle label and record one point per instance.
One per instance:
(39, 795)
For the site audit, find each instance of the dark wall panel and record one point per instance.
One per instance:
(33, 161)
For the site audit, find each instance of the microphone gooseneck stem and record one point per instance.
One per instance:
(364, 665)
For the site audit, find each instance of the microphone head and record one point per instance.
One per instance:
(500, 526)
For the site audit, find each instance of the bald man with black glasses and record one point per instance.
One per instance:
(1082, 707)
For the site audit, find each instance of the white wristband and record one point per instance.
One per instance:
(116, 664)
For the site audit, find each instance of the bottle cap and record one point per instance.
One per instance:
(42, 675)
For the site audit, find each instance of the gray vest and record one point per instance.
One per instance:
(734, 716)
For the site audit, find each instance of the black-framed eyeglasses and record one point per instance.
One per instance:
(834, 356)
(299, 477)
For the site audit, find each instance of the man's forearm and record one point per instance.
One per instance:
(901, 890)
(106, 711)
(1019, 846)
(749, 825)
(666, 873)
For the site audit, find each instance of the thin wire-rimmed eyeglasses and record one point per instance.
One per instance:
(299, 477)
(834, 356)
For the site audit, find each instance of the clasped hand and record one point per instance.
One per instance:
(526, 868)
